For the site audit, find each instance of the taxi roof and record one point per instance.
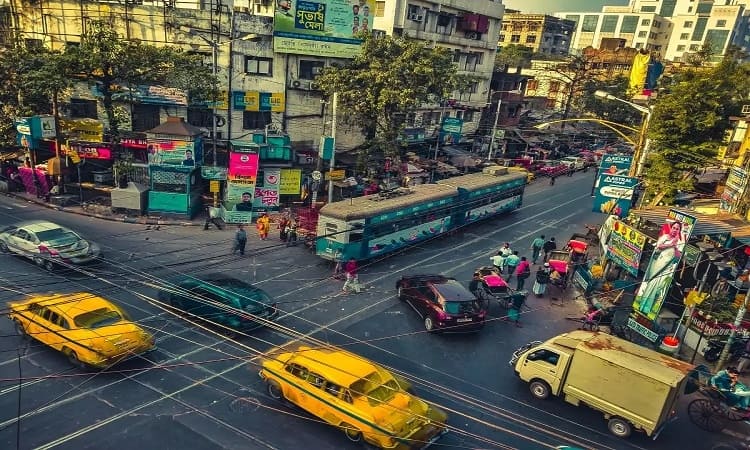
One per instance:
(338, 366)
(71, 304)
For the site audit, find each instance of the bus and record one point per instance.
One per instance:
(374, 225)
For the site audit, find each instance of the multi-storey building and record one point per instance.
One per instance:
(268, 86)
(542, 33)
(669, 28)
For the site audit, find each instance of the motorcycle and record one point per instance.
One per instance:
(714, 348)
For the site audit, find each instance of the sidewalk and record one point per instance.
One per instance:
(101, 212)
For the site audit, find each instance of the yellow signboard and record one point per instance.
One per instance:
(290, 181)
(89, 130)
(214, 186)
(336, 175)
(277, 102)
(630, 234)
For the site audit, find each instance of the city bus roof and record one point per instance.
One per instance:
(372, 205)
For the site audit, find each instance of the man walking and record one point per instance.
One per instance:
(548, 247)
(522, 273)
(240, 240)
(536, 248)
(511, 262)
(352, 281)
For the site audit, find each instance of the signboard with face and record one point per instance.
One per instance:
(241, 177)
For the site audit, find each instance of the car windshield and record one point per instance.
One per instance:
(56, 235)
(250, 297)
(462, 307)
(376, 390)
(97, 318)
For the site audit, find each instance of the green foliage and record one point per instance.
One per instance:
(513, 55)
(689, 123)
(391, 77)
(607, 109)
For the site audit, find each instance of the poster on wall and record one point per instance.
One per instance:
(450, 130)
(290, 182)
(267, 191)
(668, 250)
(625, 247)
(241, 177)
(322, 27)
(176, 152)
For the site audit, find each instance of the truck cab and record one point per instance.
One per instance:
(543, 366)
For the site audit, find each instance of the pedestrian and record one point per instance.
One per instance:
(474, 284)
(542, 278)
(552, 180)
(212, 217)
(291, 232)
(744, 359)
(283, 228)
(352, 279)
(522, 273)
(536, 248)
(511, 263)
(548, 247)
(498, 260)
(263, 225)
(570, 171)
(517, 300)
(240, 240)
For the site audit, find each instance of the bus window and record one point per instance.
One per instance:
(332, 231)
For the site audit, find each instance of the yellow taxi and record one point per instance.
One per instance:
(89, 330)
(529, 175)
(364, 400)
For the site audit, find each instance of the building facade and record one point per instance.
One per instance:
(671, 29)
(542, 33)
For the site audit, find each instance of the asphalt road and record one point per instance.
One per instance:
(200, 388)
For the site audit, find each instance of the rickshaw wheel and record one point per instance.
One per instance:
(705, 415)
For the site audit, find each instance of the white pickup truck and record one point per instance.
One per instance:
(574, 162)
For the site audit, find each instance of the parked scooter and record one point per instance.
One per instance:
(715, 347)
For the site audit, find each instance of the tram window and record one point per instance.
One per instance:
(355, 236)
(332, 230)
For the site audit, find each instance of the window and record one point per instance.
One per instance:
(530, 39)
(680, 48)
(502, 38)
(259, 66)
(717, 39)
(145, 117)
(688, 24)
(515, 38)
(532, 85)
(333, 389)
(639, 45)
(200, 117)
(316, 380)
(629, 24)
(255, 120)
(544, 356)
(704, 8)
(646, 22)
(694, 47)
(700, 27)
(379, 9)
(648, 9)
(83, 109)
(412, 10)
(589, 23)
(308, 69)
(468, 116)
(33, 44)
(642, 33)
(609, 24)
(721, 23)
(554, 87)
(297, 370)
(684, 36)
(574, 18)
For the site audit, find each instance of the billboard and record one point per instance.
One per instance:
(450, 130)
(615, 164)
(241, 175)
(175, 151)
(267, 191)
(321, 27)
(613, 194)
(625, 247)
(668, 250)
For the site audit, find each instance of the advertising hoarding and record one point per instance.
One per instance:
(267, 191)
(175, 151)
(613, 194)
(658, 275)
(258, 101)
(241, 177)
(322, 27)
(450, 130)
(291, 180)
(625, 247)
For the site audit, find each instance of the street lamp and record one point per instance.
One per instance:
(214, 44)
(497, 115)
(641, 149)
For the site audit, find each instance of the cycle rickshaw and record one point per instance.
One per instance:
(711, 411)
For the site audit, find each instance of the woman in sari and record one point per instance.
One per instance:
(666, 255)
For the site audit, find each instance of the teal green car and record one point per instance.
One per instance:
(220, 299)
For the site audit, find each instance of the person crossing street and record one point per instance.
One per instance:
(240, 240)
(511, 262)
(536, 248)
(548, 247)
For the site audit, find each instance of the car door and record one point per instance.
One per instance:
(545, 364)
(22, 242)
(45, 328)
(421, 298)
(208, 305)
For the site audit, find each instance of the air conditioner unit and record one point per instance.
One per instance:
(472, 35)
(416, 17)
(745, 109)
(301, 84)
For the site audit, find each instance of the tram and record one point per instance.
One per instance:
(374, 225)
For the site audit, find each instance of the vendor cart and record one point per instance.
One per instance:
(493, 286)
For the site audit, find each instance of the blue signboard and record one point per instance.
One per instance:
(450, 130)
(613, 194)
(615, 165)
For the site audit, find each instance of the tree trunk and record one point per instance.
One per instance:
(114, 127)
(658, 197)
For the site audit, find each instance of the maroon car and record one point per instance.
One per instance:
(553, 168)
(442, 302)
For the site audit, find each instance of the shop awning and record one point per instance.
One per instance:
(708, 224)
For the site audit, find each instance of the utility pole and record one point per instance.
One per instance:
(437, 140)
(214, 72)
(737, 322)
(494, 130)
(333, 154)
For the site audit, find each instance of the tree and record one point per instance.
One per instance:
(689, 123)
(513, 55)
(111, 62)
(390, 77)
(613, 111)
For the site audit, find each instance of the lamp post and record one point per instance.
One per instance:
(497, 116)
(643, 143)
(443, 106)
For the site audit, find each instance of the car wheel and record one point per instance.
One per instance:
(539, 389)
(49, 266)
(429, 325)
(274, 390)
(4, 247)
(619, 427)
(20, 330)
(351, 433)
(38, 261)
(73, 358)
